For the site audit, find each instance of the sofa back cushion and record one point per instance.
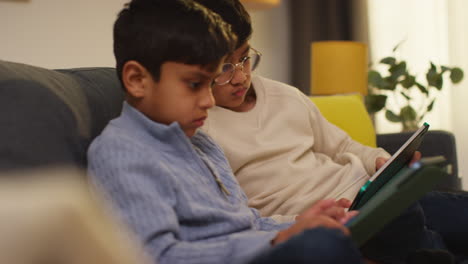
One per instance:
(49, 117)
(347, 111)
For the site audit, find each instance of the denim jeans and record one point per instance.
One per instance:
(437, 221)
(447, 214)
(318, 245)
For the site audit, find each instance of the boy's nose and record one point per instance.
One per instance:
(207, 101)
(239, 76)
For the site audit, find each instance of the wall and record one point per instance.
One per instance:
(458, 43)
(58, 33)
(64, 33)
(431, 30)
(271, 36)
(421, 27)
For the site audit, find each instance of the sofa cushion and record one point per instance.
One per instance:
(49, 117)
(348, 113)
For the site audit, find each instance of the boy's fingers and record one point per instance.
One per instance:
(335, 212)
(324, 221)
(309, 223)
(416, 157)
(343, 202)
(348, 216)
(379, 162)
(319, 207)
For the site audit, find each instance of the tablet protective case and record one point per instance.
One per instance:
(408, 186)
(400, 159)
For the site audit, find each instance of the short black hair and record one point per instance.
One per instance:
(152, 32)
(234, 13)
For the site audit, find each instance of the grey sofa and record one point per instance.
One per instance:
(49, 117)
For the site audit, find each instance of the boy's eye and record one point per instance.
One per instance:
(227, 67)
(195, 85)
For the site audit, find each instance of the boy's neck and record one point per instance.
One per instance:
(249, 102)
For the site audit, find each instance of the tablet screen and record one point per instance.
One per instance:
(398, 160)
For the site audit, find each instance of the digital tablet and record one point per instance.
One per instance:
(396, 162)
(405, 188)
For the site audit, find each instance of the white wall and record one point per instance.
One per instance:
(271, 36)
(432, 30)
(65, 33)
(458, 23)
(58, 33)
(422, 26)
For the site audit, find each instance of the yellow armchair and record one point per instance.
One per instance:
(348, 113)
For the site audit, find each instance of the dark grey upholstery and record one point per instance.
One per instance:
(49, 117)
(436, 142)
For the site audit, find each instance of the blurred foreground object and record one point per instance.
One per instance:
(53, 216)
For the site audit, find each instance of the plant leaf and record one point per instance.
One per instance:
(408, 81)
(445, 68)
(456, 75)
(439, 82)
(374, 79)
(388, 83)
(398, 70)
(388, 60)
(433, 78)
(431, 105)
(405, 96)
(408, 113)
(375, 102)
(398, 45)
(422, 88)
(392, 117)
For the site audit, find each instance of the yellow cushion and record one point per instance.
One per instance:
(348, 113)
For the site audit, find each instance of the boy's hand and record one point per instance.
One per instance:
(379, 162)
(325, 213)
(331, 208)
(416, 157)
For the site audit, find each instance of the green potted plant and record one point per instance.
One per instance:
(411, 99)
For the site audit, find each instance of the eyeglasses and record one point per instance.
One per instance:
(247, 65)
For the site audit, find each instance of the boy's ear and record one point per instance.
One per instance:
(135, 78)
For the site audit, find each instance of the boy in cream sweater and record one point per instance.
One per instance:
(286, 155)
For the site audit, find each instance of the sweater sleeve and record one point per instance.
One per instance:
(331, 140)
(274, 223)
(149, 207)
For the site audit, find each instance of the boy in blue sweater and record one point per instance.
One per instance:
(172, 184)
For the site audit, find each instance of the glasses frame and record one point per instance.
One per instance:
(241, 65)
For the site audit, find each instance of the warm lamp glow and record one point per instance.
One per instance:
(338, 67)
(260, 4)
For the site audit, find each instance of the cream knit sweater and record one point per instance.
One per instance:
(286, 155)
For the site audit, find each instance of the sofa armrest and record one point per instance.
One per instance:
(436, 142)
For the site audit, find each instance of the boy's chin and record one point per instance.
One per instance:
(231, 105)
(190, 133)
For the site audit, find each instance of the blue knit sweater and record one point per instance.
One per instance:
(164, 186)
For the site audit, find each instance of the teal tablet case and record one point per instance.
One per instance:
(405, 188)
